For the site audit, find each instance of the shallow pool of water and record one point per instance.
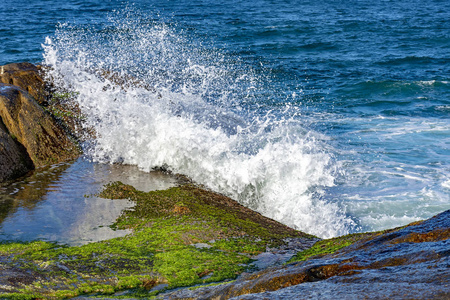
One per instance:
(59, 203)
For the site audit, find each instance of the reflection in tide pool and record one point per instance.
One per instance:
(59, 203)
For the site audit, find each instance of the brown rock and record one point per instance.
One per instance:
(27, 77)
(14, 160)
(34, 128)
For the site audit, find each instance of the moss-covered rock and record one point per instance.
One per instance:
(183, 236)
(332, 245)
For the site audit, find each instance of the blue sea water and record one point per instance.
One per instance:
(329, 116)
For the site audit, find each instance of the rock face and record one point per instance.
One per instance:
(29, 136)
(27, 77)
(14, 160)
(409, 263)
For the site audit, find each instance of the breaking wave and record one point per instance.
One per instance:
(159, 97)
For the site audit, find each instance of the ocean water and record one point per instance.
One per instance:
(331, 117)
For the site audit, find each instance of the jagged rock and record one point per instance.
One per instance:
(27, 77)
(407, 263)
(32, 127)
(29, 136)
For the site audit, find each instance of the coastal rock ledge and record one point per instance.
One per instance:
(29, 136)
(406, 263)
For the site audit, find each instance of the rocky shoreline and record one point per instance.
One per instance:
(406, 263)
(30, 137)
(191, 243)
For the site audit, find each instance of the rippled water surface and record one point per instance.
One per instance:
(60, 203)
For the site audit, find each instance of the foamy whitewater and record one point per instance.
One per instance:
(360, 143)
(183, 112)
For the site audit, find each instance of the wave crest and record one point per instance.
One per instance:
(196, 111)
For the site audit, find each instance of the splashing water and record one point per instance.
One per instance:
(157, 97)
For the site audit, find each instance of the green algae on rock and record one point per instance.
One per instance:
(183, 236)
(226, 217)
(332, 245)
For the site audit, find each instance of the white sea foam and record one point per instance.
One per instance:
(386, 221)
(446, 184)
(195, 111)
(431, 82)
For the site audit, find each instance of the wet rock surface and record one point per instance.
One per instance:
(29, 136)
(27, 77)
(280, 255)
(408, 263)
(183, 236)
